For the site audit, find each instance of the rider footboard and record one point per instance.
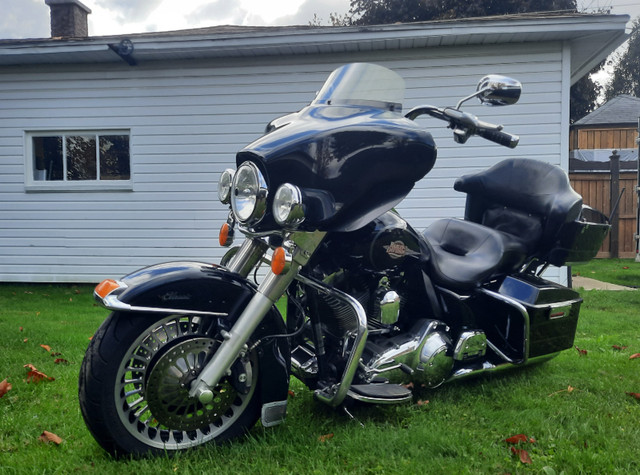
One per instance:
(553, 312)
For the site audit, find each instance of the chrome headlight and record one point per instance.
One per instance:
(288, 210)
(248, 194)
(224, 186)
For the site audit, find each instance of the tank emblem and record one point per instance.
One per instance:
(396, 249)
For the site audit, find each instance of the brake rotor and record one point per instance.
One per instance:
(167, 388)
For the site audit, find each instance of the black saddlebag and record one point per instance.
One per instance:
(553, 312)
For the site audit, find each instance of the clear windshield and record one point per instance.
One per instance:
(362, 83)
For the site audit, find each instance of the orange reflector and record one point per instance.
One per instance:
(224, 234)
(105, 287)
(278, 261)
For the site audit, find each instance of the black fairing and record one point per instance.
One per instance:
(352, 162)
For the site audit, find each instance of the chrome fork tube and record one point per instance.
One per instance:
(235, 340)
(248, 256)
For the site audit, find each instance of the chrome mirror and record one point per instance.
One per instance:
(495, 90)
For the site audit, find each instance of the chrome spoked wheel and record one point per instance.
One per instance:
(152, 386)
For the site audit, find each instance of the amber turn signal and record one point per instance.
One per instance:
(105, 287)
(278, 261)
(223, 237)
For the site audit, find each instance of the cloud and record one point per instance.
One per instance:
(309, 8)
(127, 11)
(220, 11)
(24, 19)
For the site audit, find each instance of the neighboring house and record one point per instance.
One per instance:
(613, 126)
(164, 113)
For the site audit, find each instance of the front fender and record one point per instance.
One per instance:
(209, 290)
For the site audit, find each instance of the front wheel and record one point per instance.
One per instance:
(135, 378)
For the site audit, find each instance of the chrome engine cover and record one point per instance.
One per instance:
(426, 352)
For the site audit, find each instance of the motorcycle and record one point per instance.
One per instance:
(196, 352)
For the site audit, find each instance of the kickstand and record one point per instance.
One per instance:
(351, 416)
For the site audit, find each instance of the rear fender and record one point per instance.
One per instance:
(194, 288)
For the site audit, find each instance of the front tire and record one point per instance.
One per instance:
(135, 378)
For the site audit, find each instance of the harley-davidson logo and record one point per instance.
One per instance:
(396, 249)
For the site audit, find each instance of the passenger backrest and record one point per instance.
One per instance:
(530, 199)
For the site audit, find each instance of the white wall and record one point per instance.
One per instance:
(188, 120)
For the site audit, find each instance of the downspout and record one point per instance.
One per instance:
(637, 236)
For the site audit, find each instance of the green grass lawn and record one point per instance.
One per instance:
(576, 407)
(616, 271)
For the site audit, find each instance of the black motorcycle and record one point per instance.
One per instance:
(196, 352)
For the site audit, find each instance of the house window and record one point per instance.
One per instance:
(78, 160)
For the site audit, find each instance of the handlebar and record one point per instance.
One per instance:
(466, 125)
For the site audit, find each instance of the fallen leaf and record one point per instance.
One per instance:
(35, 376)
(5, 387)
(523, 454)
(625, 267)
(291, 393)
(635, 395)
(408, 385)
(324, 438)
(47, 437)
(516, 439)
(46, 347)
(619, 348)
(634, 356)
(25, 340)
(582, 352)
(55, 353)
(60, 361)
(422, 403)
(21, 329)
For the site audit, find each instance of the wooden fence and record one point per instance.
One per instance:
(595, 189)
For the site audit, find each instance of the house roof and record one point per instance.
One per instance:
(590, 37)
(620, 110)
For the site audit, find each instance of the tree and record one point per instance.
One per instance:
(368, 12)
(584, 94)
(583, 97)
(626, 69)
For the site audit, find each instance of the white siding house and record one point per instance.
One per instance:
(194, 98)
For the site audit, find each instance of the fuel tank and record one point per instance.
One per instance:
(382, 245)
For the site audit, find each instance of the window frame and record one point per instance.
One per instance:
(33, 185)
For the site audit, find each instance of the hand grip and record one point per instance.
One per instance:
(501, 138)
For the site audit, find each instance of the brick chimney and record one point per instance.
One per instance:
(68, 19)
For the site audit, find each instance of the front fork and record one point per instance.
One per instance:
(301, 246)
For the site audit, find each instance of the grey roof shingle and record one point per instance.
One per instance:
(622, 109)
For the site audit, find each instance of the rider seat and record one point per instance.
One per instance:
(464, 254)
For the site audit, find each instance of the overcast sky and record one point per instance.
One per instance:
(30, 18)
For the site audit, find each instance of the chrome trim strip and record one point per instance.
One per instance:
(487, 367)
(525, 315)
(112, 302)
(336, 394)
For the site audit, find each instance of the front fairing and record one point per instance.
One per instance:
(353, 157)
